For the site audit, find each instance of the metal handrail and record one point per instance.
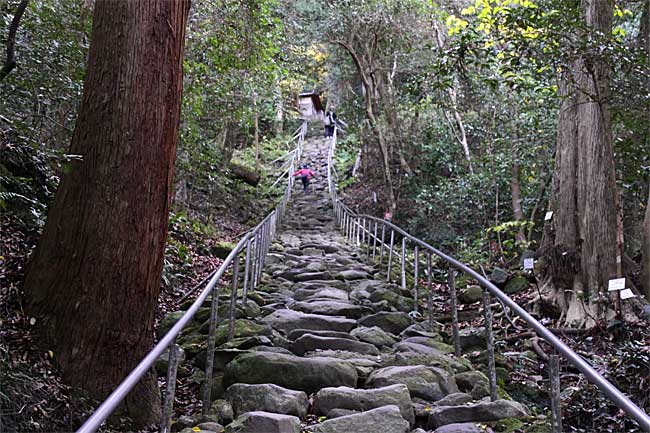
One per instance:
(254, 245)
(354, 223)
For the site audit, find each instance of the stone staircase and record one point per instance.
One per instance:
(326, 345)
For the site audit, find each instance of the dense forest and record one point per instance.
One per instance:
(140, 140)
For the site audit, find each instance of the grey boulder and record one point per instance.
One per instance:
(388, 321)
(287, 371)
(428, 383)
(330, 308)
(267, 398)
(258, 422)
(386, 419)
(289, 320)
(483, 411)
(374, 335)
(466, 427)
(309, 342)
(360, 400)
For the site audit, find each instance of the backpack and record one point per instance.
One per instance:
(328, 119)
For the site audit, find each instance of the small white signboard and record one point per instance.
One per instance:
(529, 263)
(548, 215)
(616, 284)
(627, 294)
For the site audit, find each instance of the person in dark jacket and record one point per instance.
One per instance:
(305, 175)
(330, 123)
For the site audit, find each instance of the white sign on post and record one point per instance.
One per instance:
(548, 215)
(627, 294)
(616, 284)
(529, 264)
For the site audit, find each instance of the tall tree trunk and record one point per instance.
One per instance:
(645, 268)
(370, 92)
(94, 279)
(257, 132)
(644, 36)
(278, 123)
(515, 191)
(515, 184)
(10, 61)
(453, 97)
(581, 239)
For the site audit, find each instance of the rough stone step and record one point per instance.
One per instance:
(309, 343)
(266, 398)
(483, 411)
(386, 419)
(321, 293)
(292, 372)
(392, 322)
(256, 422)
(428, 383)
(332, 308)
(297, 333)
(360, 400)
(289, 320)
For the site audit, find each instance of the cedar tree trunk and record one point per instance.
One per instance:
(644, 36)
(579, 245)
(94, 279)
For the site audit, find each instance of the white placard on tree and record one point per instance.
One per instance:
(616, 284)
(627, 294)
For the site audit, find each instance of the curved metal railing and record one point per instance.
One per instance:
(253, 247)
(371, 232)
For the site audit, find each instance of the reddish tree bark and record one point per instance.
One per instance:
(94, 279)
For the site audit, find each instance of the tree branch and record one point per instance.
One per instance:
(10, 62)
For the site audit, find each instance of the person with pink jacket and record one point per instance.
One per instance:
(305, 175)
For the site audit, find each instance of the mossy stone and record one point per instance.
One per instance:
(243, 328)
(507, 425)
(517, 284)
(168, 322)
(222, 249)
(443, 347)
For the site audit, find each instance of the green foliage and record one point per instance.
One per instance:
(38, 103)
(346, 154)
(184, 233)
(507, 234)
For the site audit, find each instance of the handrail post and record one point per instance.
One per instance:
(253, 261)
(368, 243)
(554, 393)
(233, 298)
(260, 268)
(358, 231)
(374, 242)
(453, 301)
(175, 355)
(209, 358)
(258, 257)
(416, 253)
(247, 259)
(390, 255)
(381, 246)
(350, 228)
(403, 256)
(489, 338)
(429, 291)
